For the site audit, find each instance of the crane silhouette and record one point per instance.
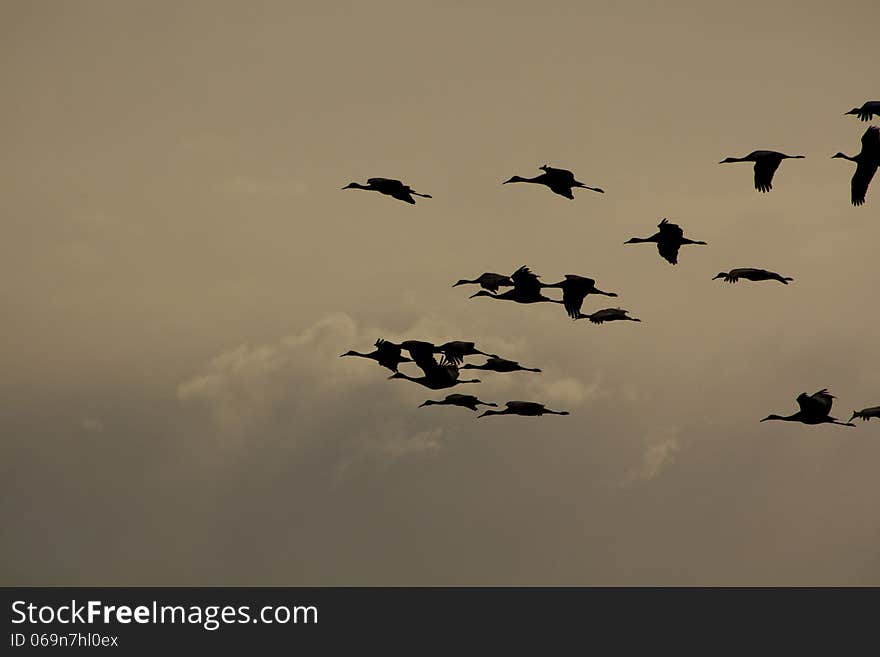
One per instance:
(608, 315)
(488, 281)
(751, 274)
(389, 187)
(532, 409)
(526, 289)
(387, 354)
(867, 111)
(437, 376)
(574, 290)
(560, 181)
(814, 409)
(766, 163)
(456, 350)
(866, 161)
(466, 401)
(669, 240)
(496, 364)
(866, 413)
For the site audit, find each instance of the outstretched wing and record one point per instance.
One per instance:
(525, 280)
(764, 170)
(818, 404)
(455, 351)
(388, 354)
(668, 249)
(867, 165)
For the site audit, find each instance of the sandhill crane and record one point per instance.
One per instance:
(532, 409)
(488, 281)
(456, 350)
(496, 364)
(608, 315)
(467, 401)
(669, 239)
(387, 354)
(438, 377)
(526, 289)
(867, 111)
(866, 161)
(560, 181)
(866, 413)
(389, 187)
(751, 274)
(815, 409)
(766, 163)
(574, 290)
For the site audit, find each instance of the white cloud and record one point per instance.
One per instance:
(658, 454)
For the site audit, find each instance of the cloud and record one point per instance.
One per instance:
(658, 454)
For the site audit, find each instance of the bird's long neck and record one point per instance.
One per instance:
(356, 185)
(527, 180)
(844, 156)
(468, 366)
(796, 417)
(468, 381)
(357, 353)
(640, 240)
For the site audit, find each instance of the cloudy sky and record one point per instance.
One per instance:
(181, 272)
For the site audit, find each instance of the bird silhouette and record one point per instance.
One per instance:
(387, 354)
(532, 409)
(389, 187)
(496, 364)
(560, 181)
(766, 163)
(608, 315)
(866, 413)
(488, 281)
(574, 290)
(669, 240)
(751, 274)
(866, 161)
(456, 350)
(437, 376)
(467, 401)
(526, 289)
(814, 409)
(867, 111)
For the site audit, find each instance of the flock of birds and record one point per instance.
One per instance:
(527, 288)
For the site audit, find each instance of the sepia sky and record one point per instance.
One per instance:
(181, 272)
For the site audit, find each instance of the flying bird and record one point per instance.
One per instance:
(387, 354)
(608, 315)
(456, 350)
(866, 413)
(815, 409)
(751, 274)
(532, 409)
(866, 161)
(867, 111)
(488, 281)
(437, 376)
(496, 364)
(560, 181)
(766, 163)
(669, 240)
(467, 401)
(389, 187)
(526, 289)
(574, 290)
